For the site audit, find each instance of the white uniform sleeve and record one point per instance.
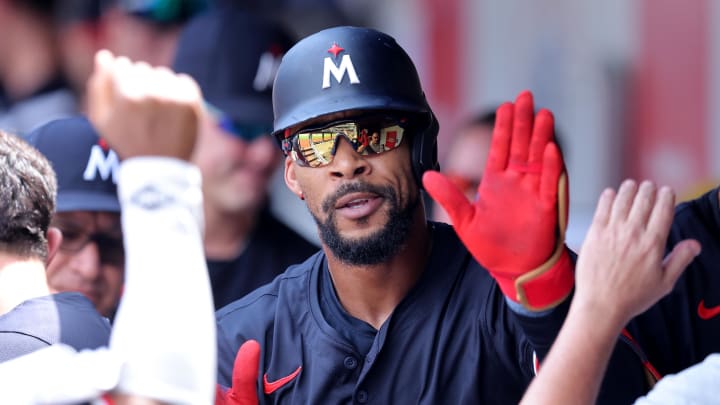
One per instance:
(58, 375)
(699, 384)
(165, 325)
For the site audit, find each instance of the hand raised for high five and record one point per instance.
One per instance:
(621, 271)
(516, 226)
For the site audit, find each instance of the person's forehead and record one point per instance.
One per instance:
(329, 119)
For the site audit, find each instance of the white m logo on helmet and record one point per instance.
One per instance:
(338, 72)
(98, 163)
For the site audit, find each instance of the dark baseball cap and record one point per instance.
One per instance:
(233, 55)
(85, 167)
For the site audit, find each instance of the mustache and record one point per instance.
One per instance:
(357, 187)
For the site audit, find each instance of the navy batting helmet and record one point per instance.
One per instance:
(351, 68)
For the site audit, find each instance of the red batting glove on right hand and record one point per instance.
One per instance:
(516, 226)
(244, 378)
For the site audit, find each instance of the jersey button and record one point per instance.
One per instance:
(361, 396)
(350, 362)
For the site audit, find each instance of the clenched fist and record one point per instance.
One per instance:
(142, 110)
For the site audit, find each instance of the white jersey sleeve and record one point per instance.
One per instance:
(165, 325)
(58, 374)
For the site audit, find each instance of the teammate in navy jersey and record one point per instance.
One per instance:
(621, 272)
(684, 327)
(395, 309)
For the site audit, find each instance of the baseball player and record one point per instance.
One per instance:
(395, 309)
(33, 89)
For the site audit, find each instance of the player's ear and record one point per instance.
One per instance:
(54, 239)
(291, 178)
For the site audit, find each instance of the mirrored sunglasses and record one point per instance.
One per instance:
(316, 147)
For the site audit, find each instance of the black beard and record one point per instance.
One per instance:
(377, 247)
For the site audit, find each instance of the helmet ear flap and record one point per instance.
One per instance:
(424, 151)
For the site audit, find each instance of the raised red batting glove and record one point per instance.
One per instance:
(244, 378)
(516, 226)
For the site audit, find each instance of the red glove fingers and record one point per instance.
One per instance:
(516, 226)
(244, 378)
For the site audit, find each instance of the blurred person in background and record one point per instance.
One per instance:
(80, 34)
(233, 55)
(148, 31)
(33, 90)
(91, 257)
(465, 160)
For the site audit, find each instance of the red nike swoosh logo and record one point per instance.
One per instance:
(707, 313)
(270, 387)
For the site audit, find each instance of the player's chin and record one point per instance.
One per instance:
(362, 227)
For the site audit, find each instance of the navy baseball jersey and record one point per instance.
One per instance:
(272, 248)
(452, 340)
(66, 317)
(684, 327)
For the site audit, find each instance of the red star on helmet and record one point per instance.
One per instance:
(103, 144)
(335, 49)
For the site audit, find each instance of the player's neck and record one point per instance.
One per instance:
(371, 293)
(20, 280)
(227, 233)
